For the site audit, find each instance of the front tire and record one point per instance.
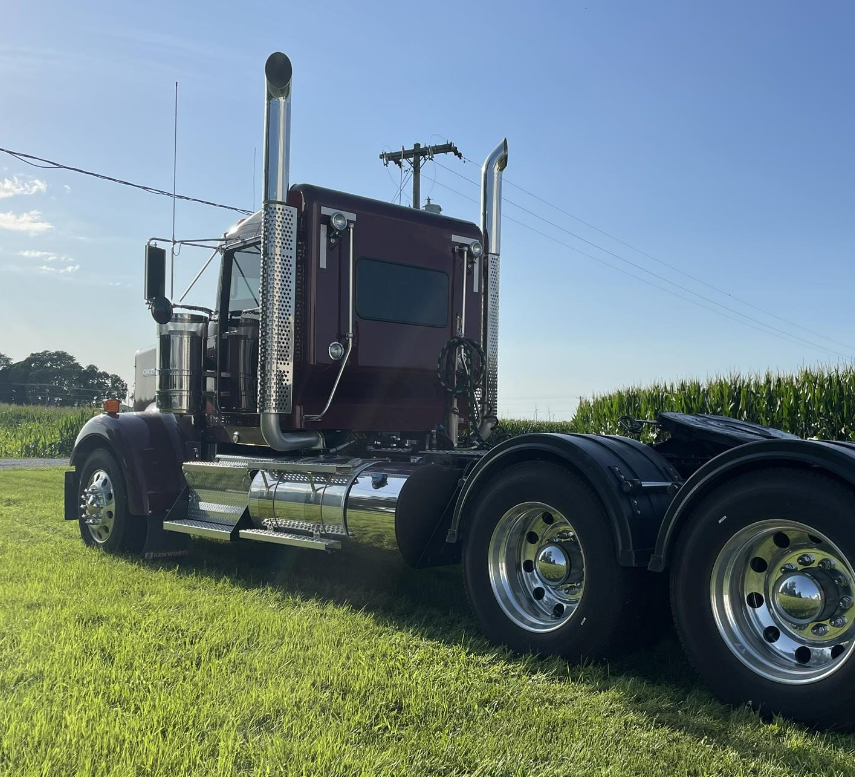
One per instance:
(540, 568)
(103, 507)
(762, 592)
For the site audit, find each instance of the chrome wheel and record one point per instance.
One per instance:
(781, 596)
(536, 567)
(98, 506)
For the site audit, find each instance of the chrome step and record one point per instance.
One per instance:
(284, 538)
(217, 531)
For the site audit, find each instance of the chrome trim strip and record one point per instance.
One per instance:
(322, 260)
(468, 241)
(348, 335)
(329, 211)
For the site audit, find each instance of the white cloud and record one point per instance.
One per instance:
(67, 188)
(9, 187)
(47, 256)
(68, 269)
(25, 222)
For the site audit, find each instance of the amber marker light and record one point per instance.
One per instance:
(112, 406)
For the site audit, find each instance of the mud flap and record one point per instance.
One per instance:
(164, 544)
(72, 509)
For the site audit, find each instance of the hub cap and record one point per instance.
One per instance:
(536, 567)
(781, 594)
(98, 506)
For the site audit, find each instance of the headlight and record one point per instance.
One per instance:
(476, 249)
(338, 221)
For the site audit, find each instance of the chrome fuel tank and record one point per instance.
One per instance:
(350, 498)
(371, 502)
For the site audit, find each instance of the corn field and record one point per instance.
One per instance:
(816, 402)
(28, 431)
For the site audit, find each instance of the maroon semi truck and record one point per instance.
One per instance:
(342, 392)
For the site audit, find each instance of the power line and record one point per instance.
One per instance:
(650, 256)
(404, 180)
(661, 277)
(775, 332)
(50, 165)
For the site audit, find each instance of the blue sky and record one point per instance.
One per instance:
(716, 137)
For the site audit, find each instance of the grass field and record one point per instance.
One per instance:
(247, 660)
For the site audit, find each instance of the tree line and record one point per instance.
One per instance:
(56, 378)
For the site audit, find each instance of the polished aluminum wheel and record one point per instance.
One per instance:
(536, 567)
(781, 595)
(98, 506)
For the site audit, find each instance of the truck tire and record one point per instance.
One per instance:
(102, 501)
(541, 572)
(762, 587)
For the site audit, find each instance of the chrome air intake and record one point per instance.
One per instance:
(278, 266)
(180, 343)
(491, 225)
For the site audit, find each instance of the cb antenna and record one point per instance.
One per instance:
(174, 172)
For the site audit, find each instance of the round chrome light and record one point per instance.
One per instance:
(338, 221)
(336, 349)
(476, 249)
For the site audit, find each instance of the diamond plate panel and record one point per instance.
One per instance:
(217, 494)
(278, 297)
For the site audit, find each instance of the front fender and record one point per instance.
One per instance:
(609, 464)
(835, 458)
(150, 447)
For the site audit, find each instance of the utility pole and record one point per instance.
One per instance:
(417, 156)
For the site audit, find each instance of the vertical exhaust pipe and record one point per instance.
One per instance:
(491, 226)
(278, 266)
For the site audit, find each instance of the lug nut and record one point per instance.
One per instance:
(826, 563)
(805, 559)
(845, 602)
(837, 621)
(788, 568)
(842, 581)
(819, 629)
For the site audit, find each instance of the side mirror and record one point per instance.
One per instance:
(161, 310)
(155, 272)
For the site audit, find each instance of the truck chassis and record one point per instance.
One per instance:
(305, 410)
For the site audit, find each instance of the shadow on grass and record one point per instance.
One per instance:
(656, 681)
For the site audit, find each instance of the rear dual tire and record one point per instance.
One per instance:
(762, 590)
(540, 569)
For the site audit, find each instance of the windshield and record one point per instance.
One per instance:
(246, 272)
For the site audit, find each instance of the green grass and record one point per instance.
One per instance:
(28, 431)
(247, 660)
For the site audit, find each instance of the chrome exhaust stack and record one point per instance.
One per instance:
(491, 226)
(278, 266)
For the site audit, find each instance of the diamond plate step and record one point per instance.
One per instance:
(284, 538)
(217, 531)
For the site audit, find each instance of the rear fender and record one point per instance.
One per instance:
(835, 458)
(150, 447)
(633, 482)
